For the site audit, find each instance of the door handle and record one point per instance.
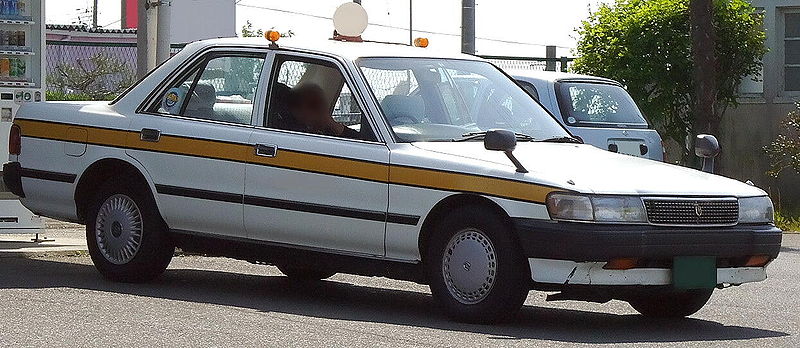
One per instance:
(149, 134)
(266, 150)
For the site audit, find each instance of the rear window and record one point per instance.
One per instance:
(585, 104)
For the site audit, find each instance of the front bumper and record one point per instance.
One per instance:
(570, 253)
(564, 272)
(12, 178)
(583, 242)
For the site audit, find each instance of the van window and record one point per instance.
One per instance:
(528, 87)
(598, 104)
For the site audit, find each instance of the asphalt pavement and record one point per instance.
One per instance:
(60, 300)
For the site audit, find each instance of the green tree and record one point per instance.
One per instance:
(647, 46)
(784, 151)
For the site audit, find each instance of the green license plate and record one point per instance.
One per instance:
(694, 272)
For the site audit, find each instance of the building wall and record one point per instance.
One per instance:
(192, 20)
(756, 122)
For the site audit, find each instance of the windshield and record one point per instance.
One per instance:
(442, 99)
(598, 104)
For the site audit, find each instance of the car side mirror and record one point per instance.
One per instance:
(707, 147)
(506, 141)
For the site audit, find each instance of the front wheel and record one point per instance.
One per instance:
(125, 233)
(670, 303)
(475, 269)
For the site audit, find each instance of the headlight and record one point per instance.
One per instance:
(565, 206)
(755, 210)
(619, 209)
(568, 206)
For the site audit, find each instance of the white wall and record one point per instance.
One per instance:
(194, 20)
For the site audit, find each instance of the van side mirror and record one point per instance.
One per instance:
(506, 141)
(707, 147)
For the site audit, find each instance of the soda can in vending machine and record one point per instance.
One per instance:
(5, 68)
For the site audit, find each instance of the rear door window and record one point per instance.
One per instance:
(221, 88)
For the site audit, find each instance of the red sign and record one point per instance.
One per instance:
(130, 15)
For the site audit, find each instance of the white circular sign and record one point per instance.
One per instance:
(350, 19)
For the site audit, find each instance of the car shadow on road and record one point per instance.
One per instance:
(345, 301)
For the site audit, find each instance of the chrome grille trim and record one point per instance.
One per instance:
(696, 212)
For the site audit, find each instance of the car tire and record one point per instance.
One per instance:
(305, 274)
(127, 238)
(475, 267)
(670, 303)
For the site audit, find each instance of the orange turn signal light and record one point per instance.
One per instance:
(757, 261)
(622, 263)
(272, 35)
(421, 42)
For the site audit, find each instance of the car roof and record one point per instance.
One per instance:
(555, 76)
(343, 49)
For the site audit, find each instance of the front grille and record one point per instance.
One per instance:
(692, 212)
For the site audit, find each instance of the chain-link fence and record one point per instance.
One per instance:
(531, 63)
(64, 58)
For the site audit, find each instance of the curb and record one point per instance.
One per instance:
(40, 254)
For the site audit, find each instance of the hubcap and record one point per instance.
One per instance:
(469, 266)
(119, 229)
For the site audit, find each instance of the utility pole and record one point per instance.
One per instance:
(164, 31)
(468, 26)
(153, 34)
(142, 52)
(94, 14)
(705, 63)
(411, 22)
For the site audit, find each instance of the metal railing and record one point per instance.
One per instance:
(531, 63)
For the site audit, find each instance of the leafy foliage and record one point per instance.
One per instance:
(784, 151)
(61, 96)
(647, 45)
(100, 77)
(248, 31)
(786, 222)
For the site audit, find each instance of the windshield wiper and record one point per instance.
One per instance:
(482, 134)
(562, 140)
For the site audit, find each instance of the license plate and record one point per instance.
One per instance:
(694, 272)
(629, 147)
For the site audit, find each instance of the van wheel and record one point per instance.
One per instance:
(305, 274)
(126, 235)
(670, 303)
(475, 268)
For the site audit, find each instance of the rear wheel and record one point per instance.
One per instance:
(125, 233)
(305, 274)
(670, 303)
(475, 268)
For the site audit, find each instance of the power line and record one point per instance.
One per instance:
(395, 27)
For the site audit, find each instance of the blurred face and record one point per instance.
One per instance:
(310, 109)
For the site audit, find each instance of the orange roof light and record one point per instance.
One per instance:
(421, 42)
(272, 35)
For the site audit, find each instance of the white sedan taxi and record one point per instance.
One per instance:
(365, 158)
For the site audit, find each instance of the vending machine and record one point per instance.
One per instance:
(22, 80)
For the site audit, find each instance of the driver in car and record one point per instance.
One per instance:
(311, 113)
